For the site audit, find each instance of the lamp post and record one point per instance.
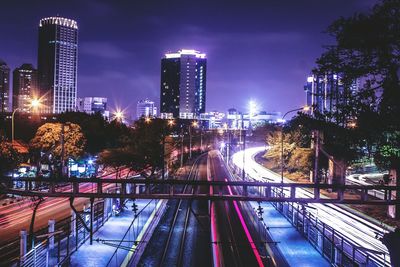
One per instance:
(305, 108)
(170, 124)
(194, 124)
(34, 104)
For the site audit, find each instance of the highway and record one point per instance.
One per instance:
(17, 216)
(232, 242)
(356, 229)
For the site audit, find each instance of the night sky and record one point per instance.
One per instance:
(261, 50)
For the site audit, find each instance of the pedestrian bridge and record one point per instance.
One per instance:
(216, 190)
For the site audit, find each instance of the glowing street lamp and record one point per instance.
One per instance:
(253, 110)
(35, 103)
(352, 124)
(147, 120)
(171, 123)
(119, 115)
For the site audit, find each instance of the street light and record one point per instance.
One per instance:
(119, 115)
(194, 124)
(35, 103)
(305, 108)
(147, 119)
(253, 110)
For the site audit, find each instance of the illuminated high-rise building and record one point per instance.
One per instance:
(146, 108)
(57, 64)
(24, 87)
(4, 87)
(183, 84)
(326, 93)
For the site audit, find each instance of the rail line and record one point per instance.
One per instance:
(179, 225)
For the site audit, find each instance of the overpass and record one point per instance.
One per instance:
(172, 189)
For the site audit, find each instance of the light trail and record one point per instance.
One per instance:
(356, 229)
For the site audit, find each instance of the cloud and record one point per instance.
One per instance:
(104, 50)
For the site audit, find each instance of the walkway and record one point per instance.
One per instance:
(113, 231)
(295, 248)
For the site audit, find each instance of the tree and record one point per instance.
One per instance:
(100, 134)
(368, 48)
(9, 157)
(48, 138)
(297, 155)
(143, 150)
(115, 158)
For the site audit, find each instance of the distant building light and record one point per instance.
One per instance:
(185, 52)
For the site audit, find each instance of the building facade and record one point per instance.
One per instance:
(91, 105)
(57, 64)
(25, 87)
(183, 84)
(146, 108)
(4, 87)
(326, 93)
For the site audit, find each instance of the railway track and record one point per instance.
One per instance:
(177, 232)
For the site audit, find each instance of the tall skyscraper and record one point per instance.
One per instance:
(183, 84)
(4, 87)
(24, 87)
(146, 108)
(57, 63)
(325, 93)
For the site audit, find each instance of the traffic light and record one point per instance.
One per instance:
(135, 208)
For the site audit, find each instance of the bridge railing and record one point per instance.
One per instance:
(167, 189)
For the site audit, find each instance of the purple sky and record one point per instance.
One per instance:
(260, 50)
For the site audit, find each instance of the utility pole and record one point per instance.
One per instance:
(316, 159)
(244, 151)
(181, 147)
(201, 139)
(163, 155)
(62, 149)
(190, 141)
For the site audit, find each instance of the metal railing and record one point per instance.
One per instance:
(169, 189)
(36, 257)
(335, 247)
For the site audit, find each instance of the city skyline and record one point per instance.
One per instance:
(243, 63)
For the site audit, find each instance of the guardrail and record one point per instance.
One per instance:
(169, 189)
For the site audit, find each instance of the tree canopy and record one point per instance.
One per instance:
(143, 148)
(9, 157)
(367, 48)
(48, 139)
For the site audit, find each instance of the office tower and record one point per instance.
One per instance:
(146, 108)
(57, 63)
(4, 87)
(327, 93)
(91, 105)
(183, 84)
(24, 87)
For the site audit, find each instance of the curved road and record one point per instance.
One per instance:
(359, 231)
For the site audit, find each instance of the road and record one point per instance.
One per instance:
(17, 216)
(232, 242)
(358, 230)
